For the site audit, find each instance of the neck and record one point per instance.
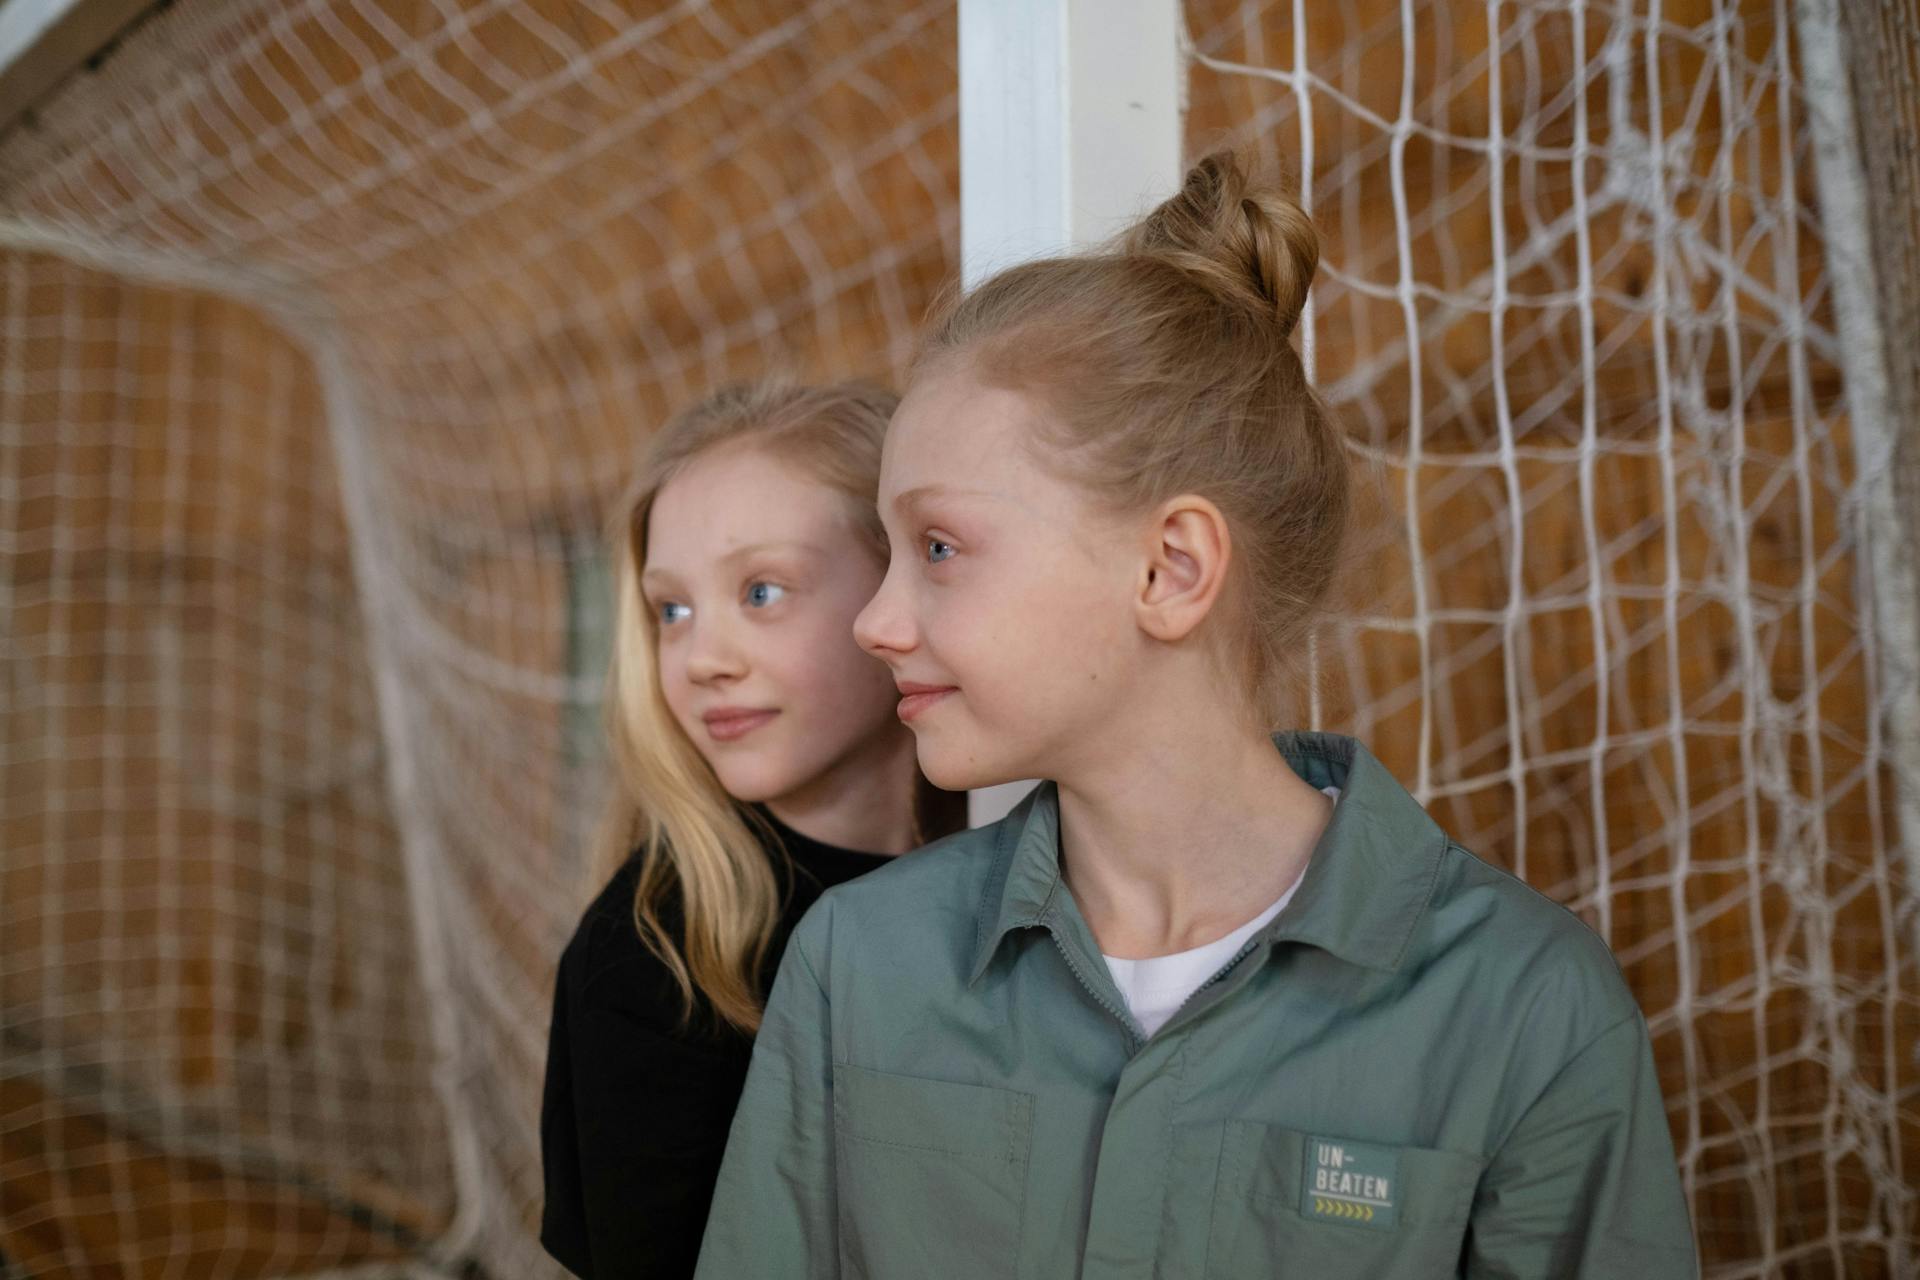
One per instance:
(1186, 832)
(864, 800)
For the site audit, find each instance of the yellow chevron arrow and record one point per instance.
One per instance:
(1343, 1209)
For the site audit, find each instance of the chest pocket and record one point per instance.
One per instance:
(1384, 1212)
(932, 1175)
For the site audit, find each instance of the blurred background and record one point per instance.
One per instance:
(330, 330)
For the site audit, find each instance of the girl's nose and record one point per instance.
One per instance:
(884, 627)
(712, 654)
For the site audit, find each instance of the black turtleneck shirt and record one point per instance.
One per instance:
(636, 1109)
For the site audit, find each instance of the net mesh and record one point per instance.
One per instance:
(329, 331)
(332, 331)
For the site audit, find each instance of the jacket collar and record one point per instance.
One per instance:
(1366, 884)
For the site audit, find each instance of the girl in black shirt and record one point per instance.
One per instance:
(757, 752)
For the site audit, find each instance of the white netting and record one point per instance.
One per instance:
(331, 332)
(328, 329)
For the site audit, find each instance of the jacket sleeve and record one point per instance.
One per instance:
(774, 1210)
(1586, 1185)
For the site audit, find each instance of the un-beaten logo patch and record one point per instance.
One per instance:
(1350, 1182)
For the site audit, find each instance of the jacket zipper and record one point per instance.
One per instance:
(1246, 949)
(1125, 1021)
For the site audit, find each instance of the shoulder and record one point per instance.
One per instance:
(920, 904)
(1543, 962)
(605, 960)
(612, 907)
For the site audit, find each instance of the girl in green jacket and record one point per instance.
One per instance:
(1211, 1001)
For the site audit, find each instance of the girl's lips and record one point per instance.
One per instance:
(728, 728)
(914, 703)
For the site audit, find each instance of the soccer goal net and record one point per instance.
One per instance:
(330, 329)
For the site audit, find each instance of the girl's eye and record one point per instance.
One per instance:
(761, 594)
(938, 550)
(671, 612)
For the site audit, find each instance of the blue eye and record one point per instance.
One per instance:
(667, 614)
(761, 594)
(935, 556)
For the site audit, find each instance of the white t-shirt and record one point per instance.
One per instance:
(1156, 987)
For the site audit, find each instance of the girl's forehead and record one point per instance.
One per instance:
(728, 466)
(973, 443)
(952, 429)
(739, 498)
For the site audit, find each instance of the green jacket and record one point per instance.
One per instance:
(1420, 1068)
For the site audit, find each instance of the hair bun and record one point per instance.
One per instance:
(1253, 243)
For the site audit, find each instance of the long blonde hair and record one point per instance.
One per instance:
(1165, 366)
(694, 841)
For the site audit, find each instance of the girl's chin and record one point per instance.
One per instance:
(760, 781)
(957, 770)
(754, 783)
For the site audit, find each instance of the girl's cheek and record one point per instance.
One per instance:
(942, 611)
(812, 655)
(672, 676)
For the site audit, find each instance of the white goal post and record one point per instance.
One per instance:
(1070, 126)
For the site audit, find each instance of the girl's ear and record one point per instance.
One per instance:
(1187, 547)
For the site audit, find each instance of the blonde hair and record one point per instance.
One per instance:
(1163, 366)
(695, 842)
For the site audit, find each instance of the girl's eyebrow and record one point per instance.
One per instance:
(920, 493)
(733, 556)
(754, 549)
